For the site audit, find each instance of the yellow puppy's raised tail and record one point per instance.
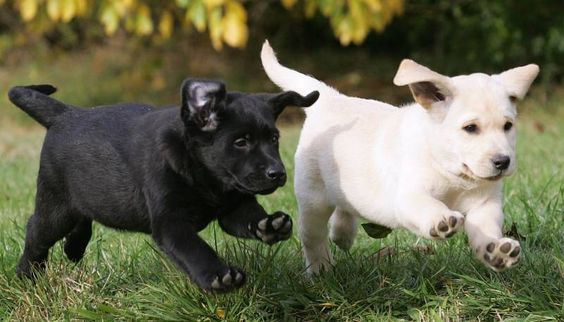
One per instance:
(291, 80)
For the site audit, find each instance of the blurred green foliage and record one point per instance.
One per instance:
(485, 35)
(455, 36)
(224, 20)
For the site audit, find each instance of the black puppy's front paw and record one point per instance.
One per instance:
(272, 229)
(224, 280)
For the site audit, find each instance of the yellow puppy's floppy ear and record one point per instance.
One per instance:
(518, 80)
(427, 87)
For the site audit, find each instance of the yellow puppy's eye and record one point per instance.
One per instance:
(471, 128)
(507, 126)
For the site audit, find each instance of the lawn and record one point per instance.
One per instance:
(124, 277)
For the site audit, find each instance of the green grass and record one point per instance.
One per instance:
(124, 277)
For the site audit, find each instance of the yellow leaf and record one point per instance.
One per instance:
(197, 15)
(359, 33)
(359, 21)
(235, 31)
(220, 313)
(310, 8)
(379, 25)
(166, 24)
(81, 7)
(119, 7)
(123, 7)
(357, 12)
(109, 19)
(344, 31)
(331, 8)
(68, 10)
(352, 20)
(288, 3)
(182, 3)
(54, 9)
(374, 5)
(396, 6)
(215, 24)
(28, 9)
(144, 24)
(235, 7)
(210, 4)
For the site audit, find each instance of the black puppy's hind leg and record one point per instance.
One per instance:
(77, 240)
(249, 220)
(44, 229)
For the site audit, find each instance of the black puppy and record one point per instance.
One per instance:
(167, 172)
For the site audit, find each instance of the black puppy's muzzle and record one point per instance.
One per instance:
(262, 182)
(274, 174)
(274, 177)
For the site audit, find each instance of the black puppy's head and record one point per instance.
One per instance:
(237, 140)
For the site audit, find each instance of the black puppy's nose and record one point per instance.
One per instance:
(501, 162)
(275, 174)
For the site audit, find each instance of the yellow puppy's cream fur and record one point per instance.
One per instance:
(432, 167)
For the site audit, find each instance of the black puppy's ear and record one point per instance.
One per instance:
(201, 102)
(280, 101)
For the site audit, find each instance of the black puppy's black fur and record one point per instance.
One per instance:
(166, 172)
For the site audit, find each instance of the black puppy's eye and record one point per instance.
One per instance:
(471, 128)
(507, 126)
(275, 138)
(241, 142)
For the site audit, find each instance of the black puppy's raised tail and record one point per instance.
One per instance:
(35, 101)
